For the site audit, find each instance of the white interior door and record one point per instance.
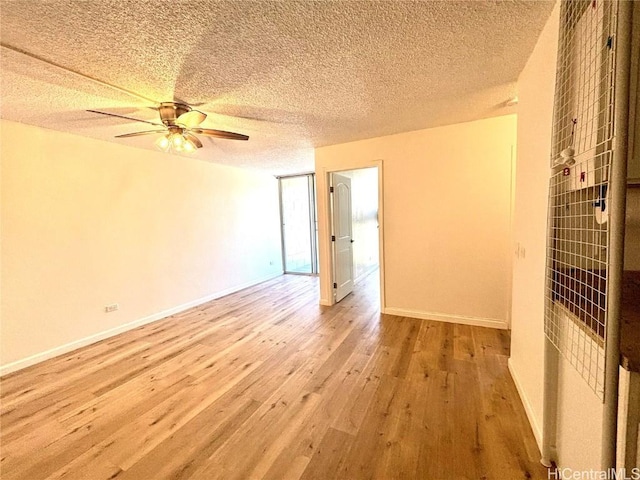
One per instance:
(342, 236)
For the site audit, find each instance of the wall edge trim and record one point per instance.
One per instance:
(85, 341)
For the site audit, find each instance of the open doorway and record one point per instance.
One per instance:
(365, 221)
(365, 230)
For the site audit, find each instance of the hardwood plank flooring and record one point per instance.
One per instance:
(266, 384)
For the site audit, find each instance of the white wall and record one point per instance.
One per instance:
(87, 223)
(579, 408)
(447, 218)
(535, 111)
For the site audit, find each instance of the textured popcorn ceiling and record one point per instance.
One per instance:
(291, 75)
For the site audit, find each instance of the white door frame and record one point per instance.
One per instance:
(325, 260)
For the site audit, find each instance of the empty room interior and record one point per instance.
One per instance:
(319, 240)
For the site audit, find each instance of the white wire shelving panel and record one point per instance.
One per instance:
(581, 155)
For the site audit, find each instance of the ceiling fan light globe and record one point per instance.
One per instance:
(177, 141)
(189, 147)
(163, 143)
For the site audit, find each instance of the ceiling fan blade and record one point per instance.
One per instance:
(190, 119)
(126, 118)
(193, 139)
(220, 134)
(136, 134)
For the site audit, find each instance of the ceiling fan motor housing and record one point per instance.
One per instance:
(170, 111)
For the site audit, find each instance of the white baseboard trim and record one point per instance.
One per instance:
(83, 342)
(444, 317)
(535, 426)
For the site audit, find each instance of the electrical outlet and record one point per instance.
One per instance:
(111, 308)
(520, 250)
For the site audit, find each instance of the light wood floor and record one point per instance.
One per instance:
(266, 384)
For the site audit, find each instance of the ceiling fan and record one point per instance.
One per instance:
(179, 125)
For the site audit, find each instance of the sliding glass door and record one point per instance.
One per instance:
(298, 222)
